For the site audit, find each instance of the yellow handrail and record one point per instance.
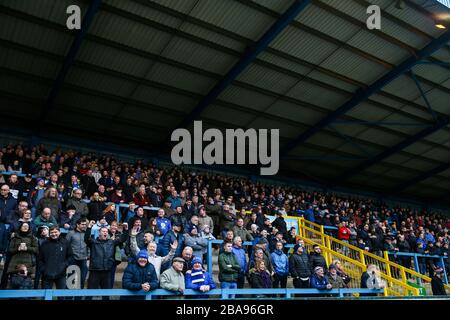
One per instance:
(362, 256)
(389, 280)
(363, 252)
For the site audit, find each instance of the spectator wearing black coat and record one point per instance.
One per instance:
(68, 219)
(96, 207)
(437, 285)
(316, 259)
(55, 255)
(300, 268)
(280, 224)
(21, 280)
(102, 256)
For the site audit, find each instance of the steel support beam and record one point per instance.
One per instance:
(363, 93)
(70, 58)
(247, 58)
(423, 176)
(441, 123)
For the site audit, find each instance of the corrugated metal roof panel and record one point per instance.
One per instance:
(368, 112)
(431, 72)
(22, 87)
(443, 54)
(233, 16)
(284, 63)
(112, 58)
(303, 45)
(183, 50)
(334, 26)
(28, 63)
(84, 102)
(286, 130)
(320, 76)
(236, 117)
(244, 97)
(349, 7)
(213, 37)
(128, 32)
(353, 66)
(404, 87)
(100, 82)
(318, 96)
(164, 99)
(438, 99)
(278, 6)
(267, 79)
(378, 47)
(184, 6)
(146, 12)
(50, 10)
(179, 78)
(295, 112)
(415, 18)
(30, 34)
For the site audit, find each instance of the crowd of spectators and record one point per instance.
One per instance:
(63, 212)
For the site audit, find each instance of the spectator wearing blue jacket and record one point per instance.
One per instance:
(197, 279)
(175, 200)
(309, 214)
(280, 264)
(168, 240)
(241, 257)
(140, 275)
(319, 280)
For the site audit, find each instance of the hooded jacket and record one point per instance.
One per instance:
(280, 263)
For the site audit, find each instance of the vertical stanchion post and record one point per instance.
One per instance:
(388, 266)
(210, 257)
(417, 269)
(48, 294)
(445, 272)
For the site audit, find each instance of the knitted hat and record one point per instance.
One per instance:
(142, 254)
(196, 260)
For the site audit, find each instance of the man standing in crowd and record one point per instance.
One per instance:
(102, 256)
(79, 248)
(229, 268)
(55, 255)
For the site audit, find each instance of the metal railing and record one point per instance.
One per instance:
(391, 271)
(218, 294)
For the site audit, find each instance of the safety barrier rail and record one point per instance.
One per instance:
(415, 257)
(355, 269)
(388, 268)
(222, 294)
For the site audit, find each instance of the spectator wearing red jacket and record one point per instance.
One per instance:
(141, 198)
(344, 235)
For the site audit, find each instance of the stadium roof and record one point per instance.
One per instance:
(356, 107)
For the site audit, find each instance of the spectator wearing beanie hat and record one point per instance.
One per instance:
(193, 239)
(140, 275)
(197, 278)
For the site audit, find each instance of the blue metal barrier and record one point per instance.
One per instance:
(419, 255)
(222, 294)
(211, 242)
